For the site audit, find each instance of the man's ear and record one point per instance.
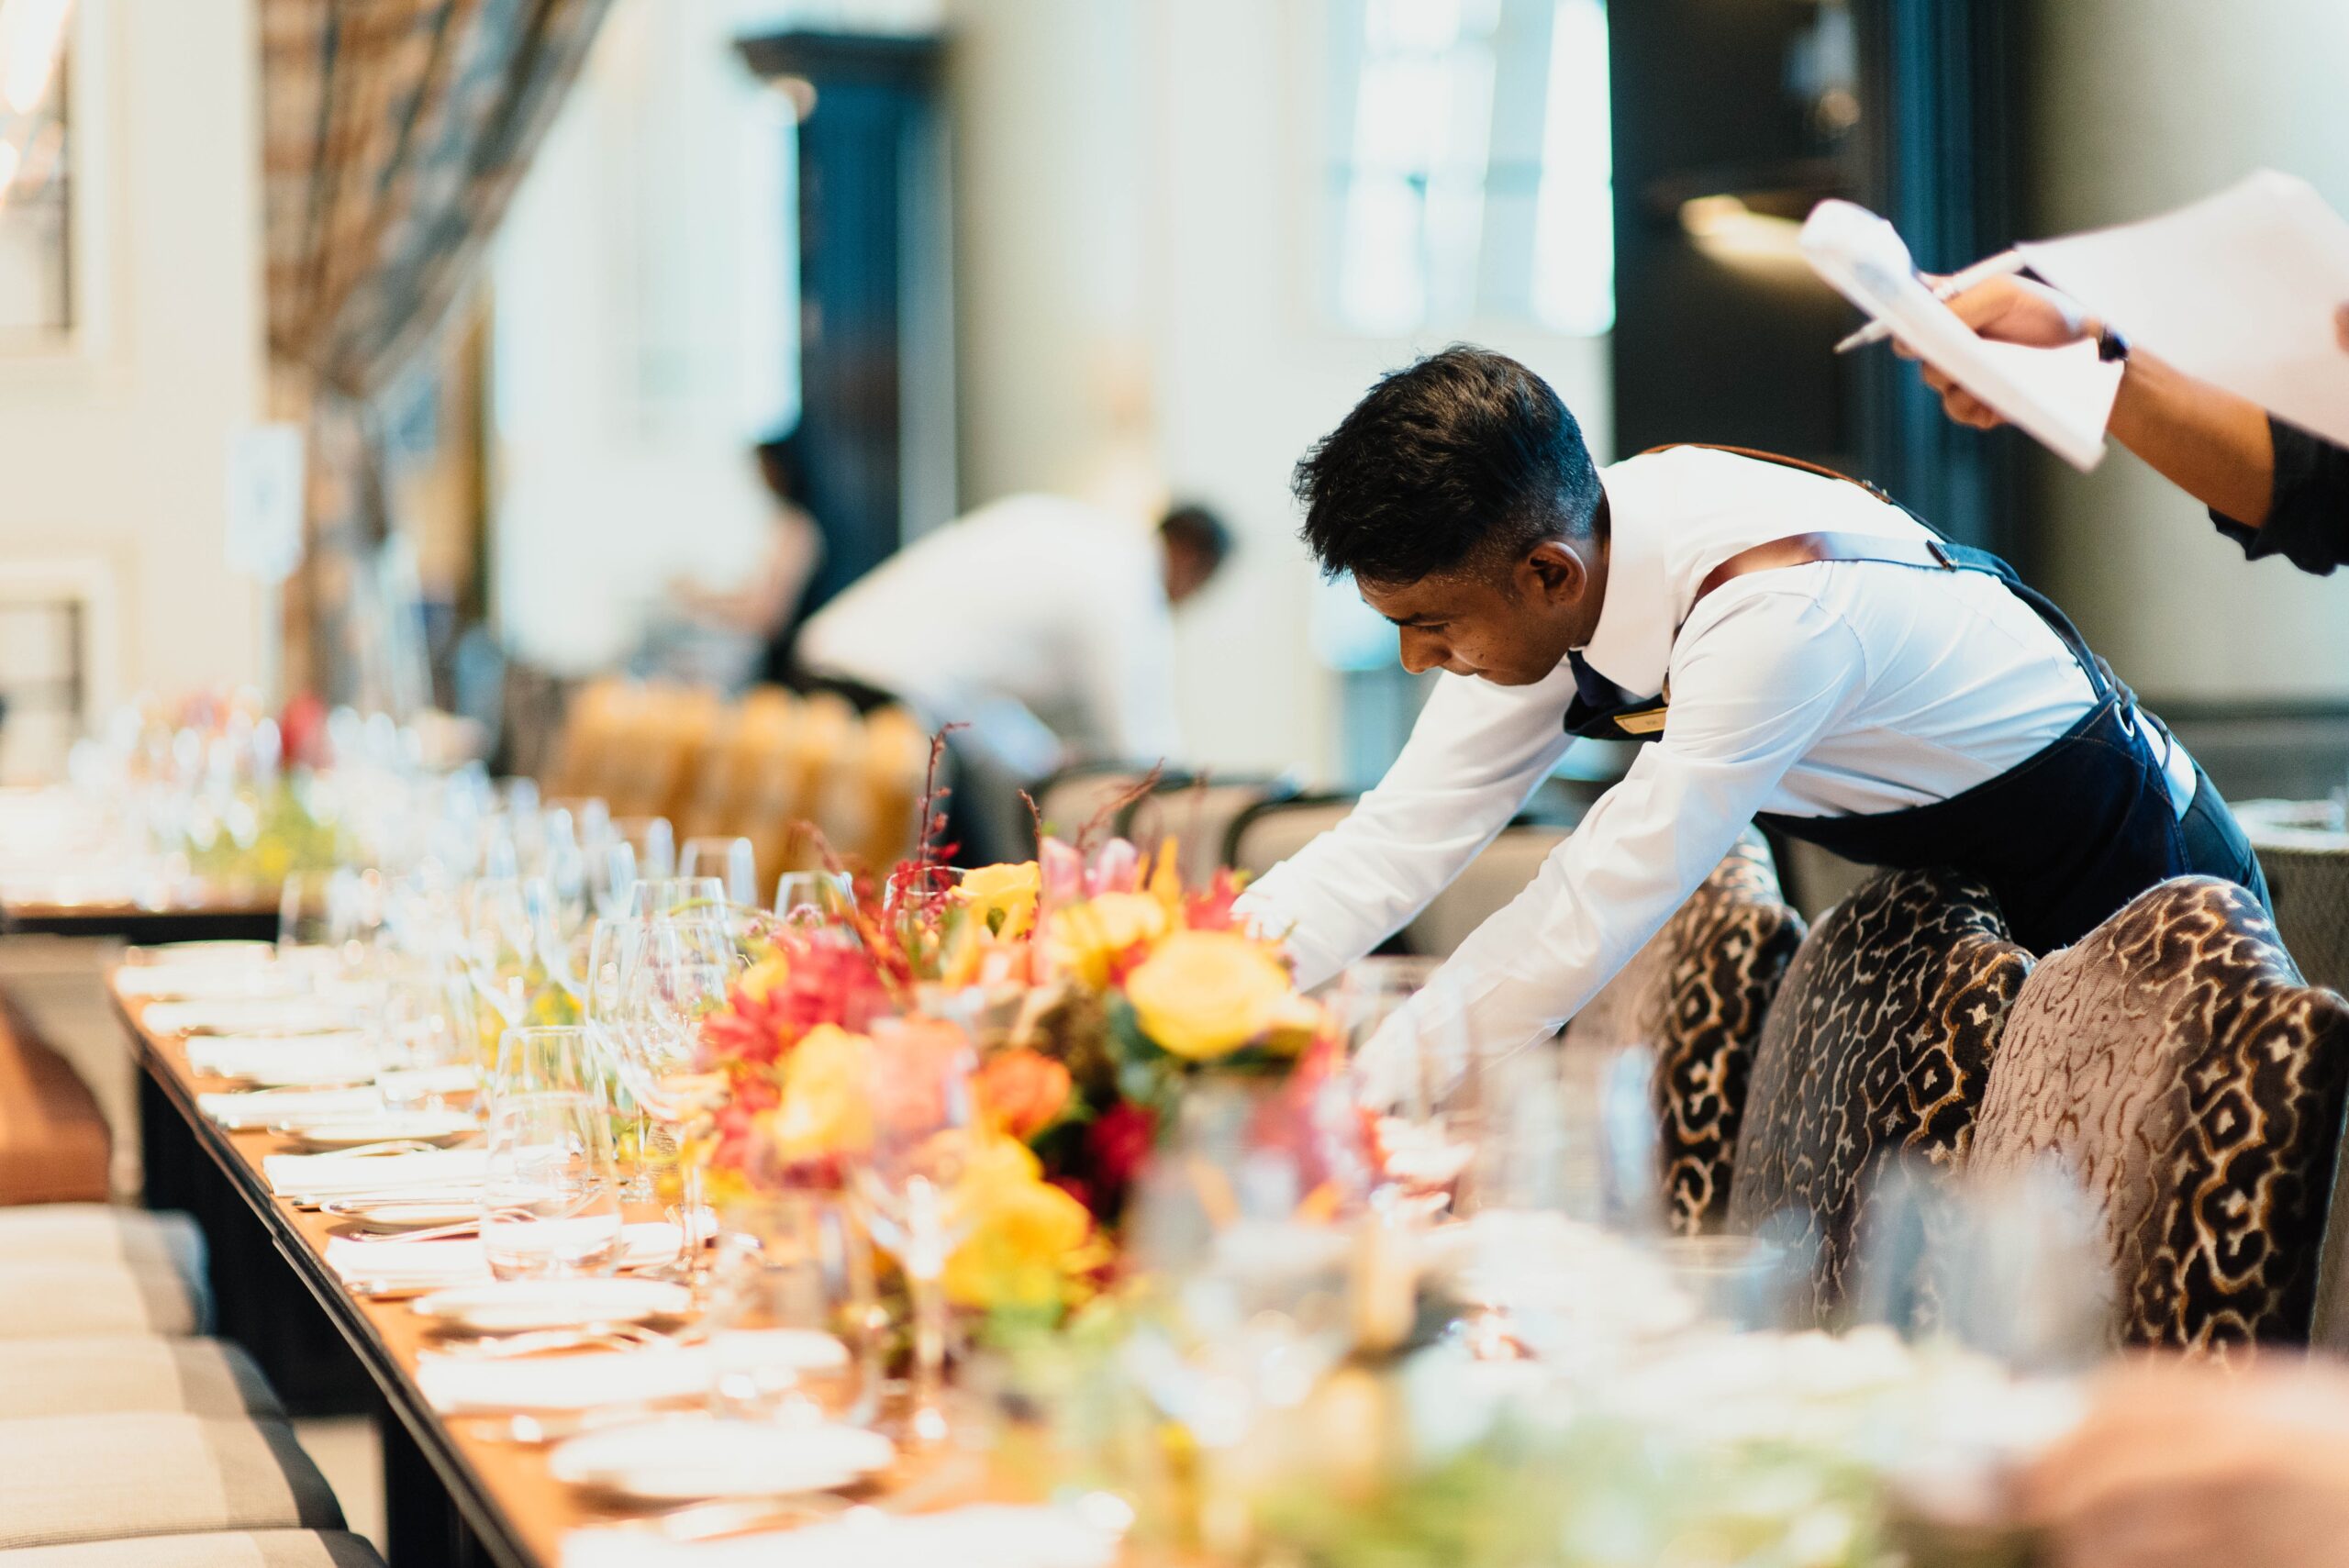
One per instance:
(1554, 573)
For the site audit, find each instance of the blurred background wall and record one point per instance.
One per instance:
(115, 439)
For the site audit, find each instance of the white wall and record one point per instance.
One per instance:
(114, 450)
(2144, 105)
(1136, 236)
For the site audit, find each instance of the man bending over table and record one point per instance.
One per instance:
(1795, 648)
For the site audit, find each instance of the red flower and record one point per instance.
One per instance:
(1115, 1145)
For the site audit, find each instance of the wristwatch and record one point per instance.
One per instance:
(2111, 346)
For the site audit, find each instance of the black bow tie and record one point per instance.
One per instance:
(1597, 693)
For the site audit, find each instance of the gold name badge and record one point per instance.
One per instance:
(1646, 721)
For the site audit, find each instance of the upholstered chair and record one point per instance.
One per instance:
(2175, 1061)
(1879, 1045)
(1697, 993)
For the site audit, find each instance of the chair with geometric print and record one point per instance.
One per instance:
(2176, 1062)
(1879, 1045)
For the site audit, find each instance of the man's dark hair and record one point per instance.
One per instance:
(1193, 528)
(1465, 459)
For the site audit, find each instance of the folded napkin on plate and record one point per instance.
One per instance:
(462, 1384)
(240, 1109)
(248, 1015)
(459, 1261)
(984, 1534)
(284, 1060)
(334, 1175)
(207, 982)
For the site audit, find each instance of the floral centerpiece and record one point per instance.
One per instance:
(1095, 987)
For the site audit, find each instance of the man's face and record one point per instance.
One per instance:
(1510, 627)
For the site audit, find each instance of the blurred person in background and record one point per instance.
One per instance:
(767, 607)
(1041, 624)
(2183, 1464)
(2271, 486)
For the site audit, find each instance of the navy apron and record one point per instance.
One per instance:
(2064, 839)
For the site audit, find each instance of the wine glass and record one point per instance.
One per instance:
(608, 993)
(795, 1260)
(805, 898)
(551, 1204)
(653, 841)
(915, 901)
(611, 879)
(918, 1088)
(676, 896)
(684, 969)
(733, 861)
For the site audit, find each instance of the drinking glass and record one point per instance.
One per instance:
(805, 898)
(611, 879)
(653, 841)
(683, 971)
(421, 1035)
(918, 1088)
(677, 895)
(551, 1204)
(612, 956)
(914, 903)
(795, 1260)
(733, 861)
(1416, 1070)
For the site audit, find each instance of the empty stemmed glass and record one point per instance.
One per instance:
(550, 1202)
(910, 1184)
(812, 898)
(683, 970)
(734, 861)
(1414, 1068)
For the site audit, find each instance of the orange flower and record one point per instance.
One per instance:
(1022, 1092)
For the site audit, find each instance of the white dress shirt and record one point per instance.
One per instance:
(1037, 620)
(1835, 688)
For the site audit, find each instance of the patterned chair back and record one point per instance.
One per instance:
(1880, 1043)
(1697, 993)
(2175, 1061)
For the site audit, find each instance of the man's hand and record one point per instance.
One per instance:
(2005, 310)
(2181, 1466)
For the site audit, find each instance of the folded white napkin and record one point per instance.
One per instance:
(459, 1261)
(335, 1176)
(240, 1109)
(207, 982)
(984, 1534)
(248, 1015)
(462, 1384)
(293, 1061)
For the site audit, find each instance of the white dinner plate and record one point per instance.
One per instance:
(319, 1135)
(676, 1460)
(514, 1305)
(393, 1217)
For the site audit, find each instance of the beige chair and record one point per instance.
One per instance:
(1499, 874)
(1074, 800)
(2173, 1060)
(68, 1269)
(1198, 815)
(1699, 994)
(1264, 835)
(242, 1549)
(122, 1373)
(128, 1474)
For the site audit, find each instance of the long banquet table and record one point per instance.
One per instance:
(455, 1495)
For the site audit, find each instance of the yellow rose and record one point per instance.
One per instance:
(1207, 994)
(763, 977)
(1028, 1244)
(825, 1107)
(1086, 937)
(1006, 891)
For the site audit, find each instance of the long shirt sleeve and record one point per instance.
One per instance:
(2308, 520)
(1474, 755)
(1756, 678)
